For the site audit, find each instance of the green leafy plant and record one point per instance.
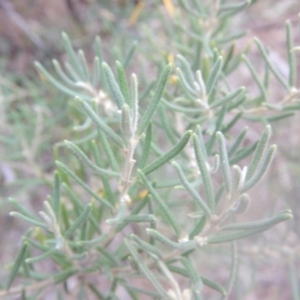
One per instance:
(157, 176)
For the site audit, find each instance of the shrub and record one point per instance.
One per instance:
(161, 172)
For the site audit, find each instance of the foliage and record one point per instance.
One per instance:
(156, 174)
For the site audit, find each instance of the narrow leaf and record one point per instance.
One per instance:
(192, 191)
(259, 152)
(262, 169)
(127, 122)
(30, 220)
(233, 270)
(145, 270)
(83, 185)
(129, 54)
(80, 220)
(255, 77)
(123, 83)
(146, 148)
(147, 116)
(40, 257)
(291, 55)
(56, 196)
(101, 125)
(184, 246)
(237, 142)
(57, 83)
(267, 223)
(239, 92)
(146, 247)
(114, 87)
(214, 75)
(198, 228)
(71, 53)
(84, 159)
(168, 155)
(64, 275)
(16, 266)
(270, 64)
(206, 281)
(224, 162)
(62, 75)
(197, 283)
(168, 213)
(229, 237)
(201, 161)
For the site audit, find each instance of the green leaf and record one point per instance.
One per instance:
(236, 144)
(101, 125)
(239, 92)
(62, 75)
(214, 75)
(188, 90)
(106, 183)
(206, 281)
(224, 162)
(168, 155)
(71, 53)
(241, 205)
(184, 246)
(24, 211)
(30, 220)
(82, 184)
(145, 270)
(270, 64)
(259, 152)
(57, 83)
(233, 270)
(127, 122)
(267, 223)
(255, 77)
(197, 284)
(134, 212)
(291, 55)
(80, 220)
(64, 275)
(114, 87)
(129, 54)
(146, 149)
(147, 116)
(198, 228)
(121, 214)
(96, 292)
(258, 228)
(84, 159)
(79, 206)
(202, 164)
(40, 257)
(96, 72)
(16, 266)
(146, 247)
(131, 288)
(56, 196)
(168, 213)
(186, 68)
(135, 101)
(262, 169)
(123, 83)
(192, 191)
(294, 280)
(245, 152)
(83, 65)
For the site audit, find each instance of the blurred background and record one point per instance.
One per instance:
(34, 115)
